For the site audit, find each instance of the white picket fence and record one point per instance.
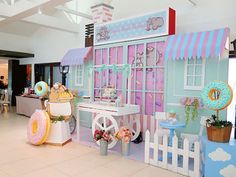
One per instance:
(161, 152)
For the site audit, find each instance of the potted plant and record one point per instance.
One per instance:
(218, 130)
(217, 95)
(124, 134)
(104, 138)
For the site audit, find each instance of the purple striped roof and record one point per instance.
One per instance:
(196, 45)
(77, 56)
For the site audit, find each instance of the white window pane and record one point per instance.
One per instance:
(190, 61)
(79, 75)
(198, 61)
(190, 70)
(198, 70)
(189, 80)
(198, 81)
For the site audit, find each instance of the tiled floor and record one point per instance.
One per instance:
(20, 159)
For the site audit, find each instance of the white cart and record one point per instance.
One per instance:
(108, 117)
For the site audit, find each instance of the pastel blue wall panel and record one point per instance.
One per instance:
(174, 90)
(85, 117)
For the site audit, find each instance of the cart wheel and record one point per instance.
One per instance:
(105, 123)
(133, 123)
(72, 124)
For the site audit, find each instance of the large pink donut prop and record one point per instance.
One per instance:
(38, 127)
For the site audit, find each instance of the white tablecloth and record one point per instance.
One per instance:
(27, 106)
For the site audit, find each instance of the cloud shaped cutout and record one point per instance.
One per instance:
(228, 171)
(219, 155)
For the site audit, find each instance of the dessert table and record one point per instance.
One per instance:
(26, 105)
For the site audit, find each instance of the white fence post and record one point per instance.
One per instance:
(175, 153)
(147, 147)
(197, 159)
(155, 148)
(186, 157)
(165, 152)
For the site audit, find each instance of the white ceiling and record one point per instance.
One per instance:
(19, 28)
(19, 20)
(22, 17)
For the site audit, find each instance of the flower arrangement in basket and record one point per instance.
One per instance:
(124, 134)
(214, 121)
(191, 105)
(218, 130)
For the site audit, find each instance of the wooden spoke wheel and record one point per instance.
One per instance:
(106, 123)
(72, 124)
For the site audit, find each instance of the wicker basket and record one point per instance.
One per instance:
(221, 135)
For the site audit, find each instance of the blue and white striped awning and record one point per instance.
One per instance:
(197, 45)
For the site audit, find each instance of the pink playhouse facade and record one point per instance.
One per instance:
(156, 72)
(125, 43)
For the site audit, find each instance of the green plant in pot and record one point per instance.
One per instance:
(218, 130)
(191, 105)
(55, 119)
(217, 96)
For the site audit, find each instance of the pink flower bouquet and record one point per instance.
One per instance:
(125, 134)
(102, 135)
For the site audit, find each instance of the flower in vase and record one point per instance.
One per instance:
(106, 136)
(125, 134)
(102, 135)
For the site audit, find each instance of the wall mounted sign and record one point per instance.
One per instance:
(150, 25)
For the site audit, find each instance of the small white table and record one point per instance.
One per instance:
(107, 116)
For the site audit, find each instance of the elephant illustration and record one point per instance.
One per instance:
(150, 61)
(103, 34)
(151, 55)
(154, 23)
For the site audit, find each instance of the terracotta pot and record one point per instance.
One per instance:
(221, 135)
